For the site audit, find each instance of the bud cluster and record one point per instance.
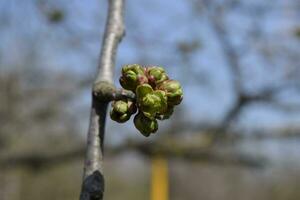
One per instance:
(156, 97)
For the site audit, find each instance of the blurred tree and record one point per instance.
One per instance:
(238, 59)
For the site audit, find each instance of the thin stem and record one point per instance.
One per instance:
(93, 181)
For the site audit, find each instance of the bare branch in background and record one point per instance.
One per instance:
(171, 150)
(93, 181)
(232, 57)
(39, 161)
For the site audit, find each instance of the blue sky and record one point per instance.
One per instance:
(153, 30)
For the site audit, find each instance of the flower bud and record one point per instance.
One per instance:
(151, 102)
(132, 76)
(122, 110)
(145, 125)
(173, 91)
(166, 114)
(156, 75)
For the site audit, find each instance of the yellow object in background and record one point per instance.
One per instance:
(159, 179)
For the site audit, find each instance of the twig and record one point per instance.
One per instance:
(103, 90)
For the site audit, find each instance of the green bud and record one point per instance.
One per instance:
(132, 76)
(145, 125)
(156, 75)
(151, 102)
(166, 114)
(122, 110)
(173, 91)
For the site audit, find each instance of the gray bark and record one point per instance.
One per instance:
(103, 90)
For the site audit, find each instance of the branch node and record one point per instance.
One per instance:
(103, 91)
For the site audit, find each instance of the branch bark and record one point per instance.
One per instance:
(102, 92)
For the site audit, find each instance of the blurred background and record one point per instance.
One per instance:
(235, 135)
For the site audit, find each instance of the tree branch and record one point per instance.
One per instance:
(175, 149)
(189, 152)
(232, 58)
(103, 90)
